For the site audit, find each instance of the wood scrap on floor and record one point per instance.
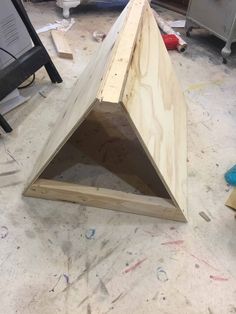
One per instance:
(131, 58)
(62, 47)
(205, 216)
(99, 36)
(231, 201)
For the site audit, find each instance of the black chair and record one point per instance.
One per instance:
(26, 65)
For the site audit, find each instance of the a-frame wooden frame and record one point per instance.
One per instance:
(132, 70)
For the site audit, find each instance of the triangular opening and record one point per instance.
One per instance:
(104, 152)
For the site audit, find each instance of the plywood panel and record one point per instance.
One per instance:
(61, 44)
(83, 97)
(156, 107)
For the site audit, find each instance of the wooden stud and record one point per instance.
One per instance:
(156, 107)
(61, 44)
(105, 198)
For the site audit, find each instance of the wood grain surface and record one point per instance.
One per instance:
(105, 198)
(62, 47)
(132, 69)
(83, 97)
(156, 107)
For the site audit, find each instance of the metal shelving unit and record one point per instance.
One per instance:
(218, 17)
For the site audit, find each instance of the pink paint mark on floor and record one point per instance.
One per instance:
(218, 278)
(132, 268)
(177, 242)
(204, 262)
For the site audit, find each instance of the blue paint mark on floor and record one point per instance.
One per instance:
(90, 233)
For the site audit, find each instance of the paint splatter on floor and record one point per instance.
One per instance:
(54, 287)
(67, 279)
(218, 278)
(90, 233)
(203, 261)
(3, 232)
(103, 288)
(117, 298)
(161, 274)
(205, 216)
(177, 242)
(132, 268)
(153, 234)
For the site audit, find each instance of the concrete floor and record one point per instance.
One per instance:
(59, 257)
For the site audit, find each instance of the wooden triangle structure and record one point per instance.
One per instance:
(121, 142)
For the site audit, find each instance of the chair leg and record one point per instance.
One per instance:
(4, 124)
(226, 52)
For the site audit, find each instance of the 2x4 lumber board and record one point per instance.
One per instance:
(61, 44)
(113, 85)
(231, 201)
(81, 100)
(156, 107)
(105, 198)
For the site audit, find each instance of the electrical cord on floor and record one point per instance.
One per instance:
(33, 76)
(29, 84)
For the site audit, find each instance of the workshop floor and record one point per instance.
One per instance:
(59, 257)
